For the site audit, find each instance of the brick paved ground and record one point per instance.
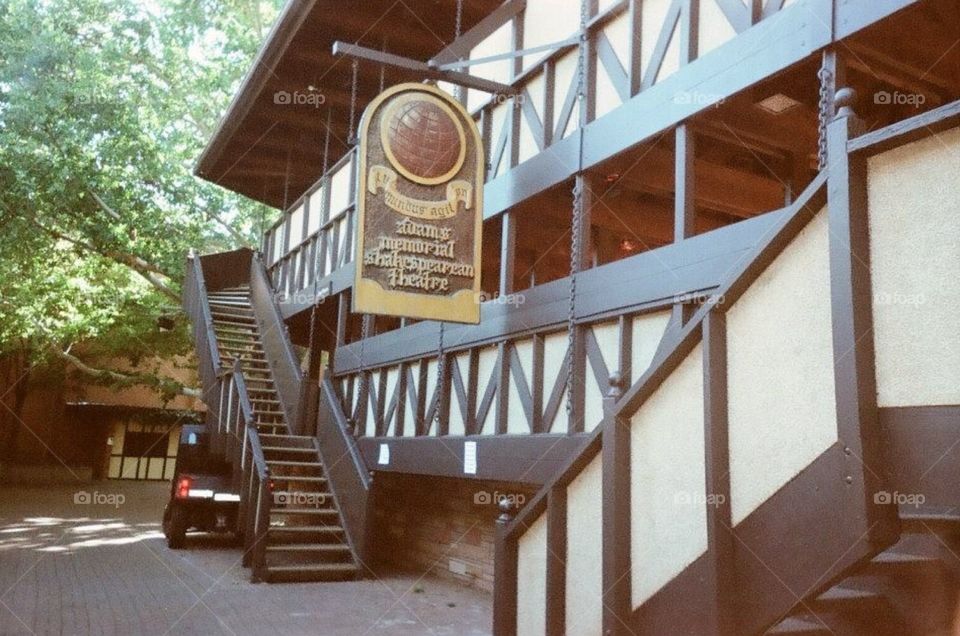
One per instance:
(68, 568)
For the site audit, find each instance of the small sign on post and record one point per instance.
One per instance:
(419, 207)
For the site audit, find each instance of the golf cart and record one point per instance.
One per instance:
(201, 496)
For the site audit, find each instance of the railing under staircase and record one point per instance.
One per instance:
(350, 479)
(238, 428)
(735, 477)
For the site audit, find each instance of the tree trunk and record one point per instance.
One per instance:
(16, 374)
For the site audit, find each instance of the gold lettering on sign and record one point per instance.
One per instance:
(421, 256)
(383, 178)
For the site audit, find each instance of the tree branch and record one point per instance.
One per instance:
(150, 272)
(155, 382)
(238, 237)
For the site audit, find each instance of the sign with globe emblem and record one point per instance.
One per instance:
(420, 207)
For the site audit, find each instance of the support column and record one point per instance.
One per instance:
(617, 603)
(504, 575)
(720, 538)
(851, 301)
(684, 205)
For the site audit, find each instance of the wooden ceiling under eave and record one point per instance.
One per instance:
(272, 152)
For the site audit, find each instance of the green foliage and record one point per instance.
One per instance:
(104, 107)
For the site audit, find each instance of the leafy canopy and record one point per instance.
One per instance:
(104, 107)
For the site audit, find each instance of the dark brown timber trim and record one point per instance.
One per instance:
(850, 295)
(556, 561)
(720, 534)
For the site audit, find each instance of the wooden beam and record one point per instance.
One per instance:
(423, 69)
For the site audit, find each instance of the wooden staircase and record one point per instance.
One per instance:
(911, 588)
(305, 538)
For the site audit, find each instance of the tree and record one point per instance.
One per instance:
(104, 107)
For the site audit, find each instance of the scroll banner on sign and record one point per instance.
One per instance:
(385, 179)
(419, 207)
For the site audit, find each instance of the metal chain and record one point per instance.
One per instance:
(351, 137)
(461, 91)
(441, 369)
(441, 358)
(576, 239)
(316, 252)
(824, 76)
(362, 388)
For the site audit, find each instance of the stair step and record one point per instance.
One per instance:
(312, 572)
(253, 340)
(310, 547)
(283, 462)
(797, 626)
(241, 322)
(287, 442)
(232, 313)
(302, 529)
(311, 479)
(288, 449)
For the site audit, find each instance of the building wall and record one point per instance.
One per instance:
(441, 525)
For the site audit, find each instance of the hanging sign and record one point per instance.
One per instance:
(419, 207)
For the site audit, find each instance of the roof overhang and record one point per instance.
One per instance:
(269, 144)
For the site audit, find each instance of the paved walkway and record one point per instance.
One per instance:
(104, 568)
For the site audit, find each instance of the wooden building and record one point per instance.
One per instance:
(715, 387)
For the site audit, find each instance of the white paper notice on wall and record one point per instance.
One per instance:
(384, 457)
(470, 458)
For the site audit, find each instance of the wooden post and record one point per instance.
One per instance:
(504, 575)
(580, 260)
(508, 250)
(556, 583)
(685, 209)
(720, 540)
(617, 603)
(851, 301)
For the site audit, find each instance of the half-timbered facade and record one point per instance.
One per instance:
(717, 357)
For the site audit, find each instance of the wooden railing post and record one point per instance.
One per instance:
(617, 604)
(852, 315)
(720, 537)
(504, 575)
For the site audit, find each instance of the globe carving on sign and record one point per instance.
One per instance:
(424, 140)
